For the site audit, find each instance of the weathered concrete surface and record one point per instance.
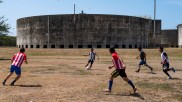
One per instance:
(85, 31)
(180, 35)
(169, 38)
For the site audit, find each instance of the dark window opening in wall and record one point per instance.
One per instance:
(31, 46)
(45, 46)
(123, 46)
(116, 46)
(26, 46)
(19, 46)
(172, 46)
(130, 46)
(53, 46)
(89, 46)
(135, 46)
(80, 46)
(99, 46)
(70, 46)
(107, 46)
(22, 46)
(143, 46)
(61, 46)
(37, 46)
(176, 46)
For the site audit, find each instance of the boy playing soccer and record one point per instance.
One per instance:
(142, 59)
(165, 62)
(16, 61)
(119, 70)
(91, 59)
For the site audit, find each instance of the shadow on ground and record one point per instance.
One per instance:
(29, 85)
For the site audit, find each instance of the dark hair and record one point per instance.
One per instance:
(22, 50)
(161, 48)
(112, 50)
(139, 47)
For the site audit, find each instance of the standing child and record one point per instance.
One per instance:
(16, 61)
(91, 59)
(143, 60)
(119, 70)
(165, 62)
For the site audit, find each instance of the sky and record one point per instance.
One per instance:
(169, 11)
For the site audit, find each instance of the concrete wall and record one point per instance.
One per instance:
(180, 35)
(85, 31)
(169, 38)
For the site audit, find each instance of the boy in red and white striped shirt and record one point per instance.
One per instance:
(119, 70)
(16, 61)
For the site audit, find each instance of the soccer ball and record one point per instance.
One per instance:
(87, 68)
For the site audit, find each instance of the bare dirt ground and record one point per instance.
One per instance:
(59, 75)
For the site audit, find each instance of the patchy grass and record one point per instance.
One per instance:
(62, 76)
(156, 86)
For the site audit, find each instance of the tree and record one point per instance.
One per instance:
(4, 27)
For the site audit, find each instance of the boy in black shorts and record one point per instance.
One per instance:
(120, 70)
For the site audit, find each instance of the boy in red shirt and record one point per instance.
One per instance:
(120, 70)
(16, 61)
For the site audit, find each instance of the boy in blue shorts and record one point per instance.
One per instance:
(142, 60)
(16, 61)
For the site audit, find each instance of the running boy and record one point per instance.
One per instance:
(16, 61)
(119, 70)
(142, 59)
(91, 59)
(165, 62)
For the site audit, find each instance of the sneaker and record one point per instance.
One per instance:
(173, 69)
(137, 71)
(12, 84)
(151, 69)
(4, 83)
(134, 90)
(107, 90)
(169, 77)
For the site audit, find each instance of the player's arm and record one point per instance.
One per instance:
(25, 59)
(138, 57)
(122, 61)
(13, 58)
(110, 67)
(97, 56)
(145, 57)
(86, 55)
(165, 60)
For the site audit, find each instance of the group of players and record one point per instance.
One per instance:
(120, 66)
(118, 63)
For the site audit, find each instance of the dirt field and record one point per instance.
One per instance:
(59, 75)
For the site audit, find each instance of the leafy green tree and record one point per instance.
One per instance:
(4, 27)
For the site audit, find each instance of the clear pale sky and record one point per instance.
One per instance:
(169, 11)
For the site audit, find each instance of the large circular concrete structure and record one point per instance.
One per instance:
(180, 35)
(85, 31)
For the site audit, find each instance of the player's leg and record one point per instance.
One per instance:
(18, 73)
(166, 69)
(114, 74)
(149, 67)
(139, 65)
(173, 69)
(91, 63)
(124, 76)
(87, 63)
(7, 77)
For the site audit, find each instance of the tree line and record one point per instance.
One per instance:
(5, 39)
